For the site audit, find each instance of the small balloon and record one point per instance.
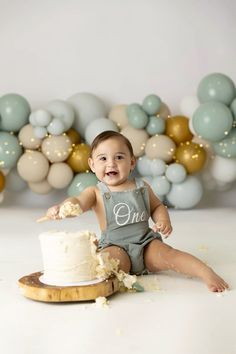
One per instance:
(42, 187)
(143, 166)
(74, 136)
(156, 125)
(56, 127)
(40, 118)
(63, 111)
(137, 118)
(176, 173)
(157, 167)
(78, 160)
(160, 185)
(227, 146)
(40, 132)
(191, 155)
(164, 111)
(151, 104)
(14, 183)
(177, 128)
(80, 182)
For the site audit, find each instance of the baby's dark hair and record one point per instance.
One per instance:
(110, 134)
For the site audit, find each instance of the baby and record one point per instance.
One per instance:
(123, 207)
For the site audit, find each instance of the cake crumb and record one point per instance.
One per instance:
(101, 302)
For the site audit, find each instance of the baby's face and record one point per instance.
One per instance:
(111, 161)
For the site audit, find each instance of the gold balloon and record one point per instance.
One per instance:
(191, 155)
(78, 160)
(2, 181)
(177, 128)
(74, 136)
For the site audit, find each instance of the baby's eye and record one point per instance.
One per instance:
(103, 158)
(119, 157)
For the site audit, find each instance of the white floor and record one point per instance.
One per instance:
(182, 317)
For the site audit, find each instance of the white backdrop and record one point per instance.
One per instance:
(119, 50)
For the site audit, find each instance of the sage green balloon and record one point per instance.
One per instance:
(227, 146)
(151, 104)
(14, 112)
(233, 108)
(216, 87)
(212, 121)
(10, 150)
(80, 182)
(156, 125)
(137, 118)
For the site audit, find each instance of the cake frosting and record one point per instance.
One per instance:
(68, 257)
(69, 209)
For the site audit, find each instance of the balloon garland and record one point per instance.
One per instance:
(178, 155)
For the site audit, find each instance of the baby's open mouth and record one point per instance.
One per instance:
(111, 173)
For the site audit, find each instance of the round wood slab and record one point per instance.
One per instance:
(32, 288)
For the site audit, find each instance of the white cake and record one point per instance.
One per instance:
(68, 257)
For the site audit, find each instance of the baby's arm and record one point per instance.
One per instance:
(159, 214)
(73, 206)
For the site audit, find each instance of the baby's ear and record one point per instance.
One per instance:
(133, 162)
(91, 163)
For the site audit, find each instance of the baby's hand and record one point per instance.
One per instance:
(163, 226)
(53, 212)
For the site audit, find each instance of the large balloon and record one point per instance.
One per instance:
(78, 160)
(160, 147)
(191, 155)
(10, 150)
(98, 126)
(80, 182)
(14, 112)
(33, 166)
(212, 121)
(227, 146)
(87, 107)
(177, 128)
(216, 87)
(187, 194)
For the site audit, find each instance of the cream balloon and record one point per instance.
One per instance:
(42, 187)
(60, 175)
(118, 114)
(164, 111)
(57, 148)
(28, 139)
(160, 147)
(137, 137)
(33, 166)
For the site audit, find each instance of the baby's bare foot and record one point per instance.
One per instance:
(214, 282)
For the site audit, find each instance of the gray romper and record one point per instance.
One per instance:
(127, 215)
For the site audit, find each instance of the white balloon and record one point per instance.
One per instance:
(40, 132)
(223, 169)
(56, 127)
(98, 126)
(143, 166)
(62, 110)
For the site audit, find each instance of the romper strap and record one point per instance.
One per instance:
(103, 187)
(139, 182)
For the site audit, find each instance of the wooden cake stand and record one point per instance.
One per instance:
(31, 287)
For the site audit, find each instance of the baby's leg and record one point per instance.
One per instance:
(159, 256)
(120, 254)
